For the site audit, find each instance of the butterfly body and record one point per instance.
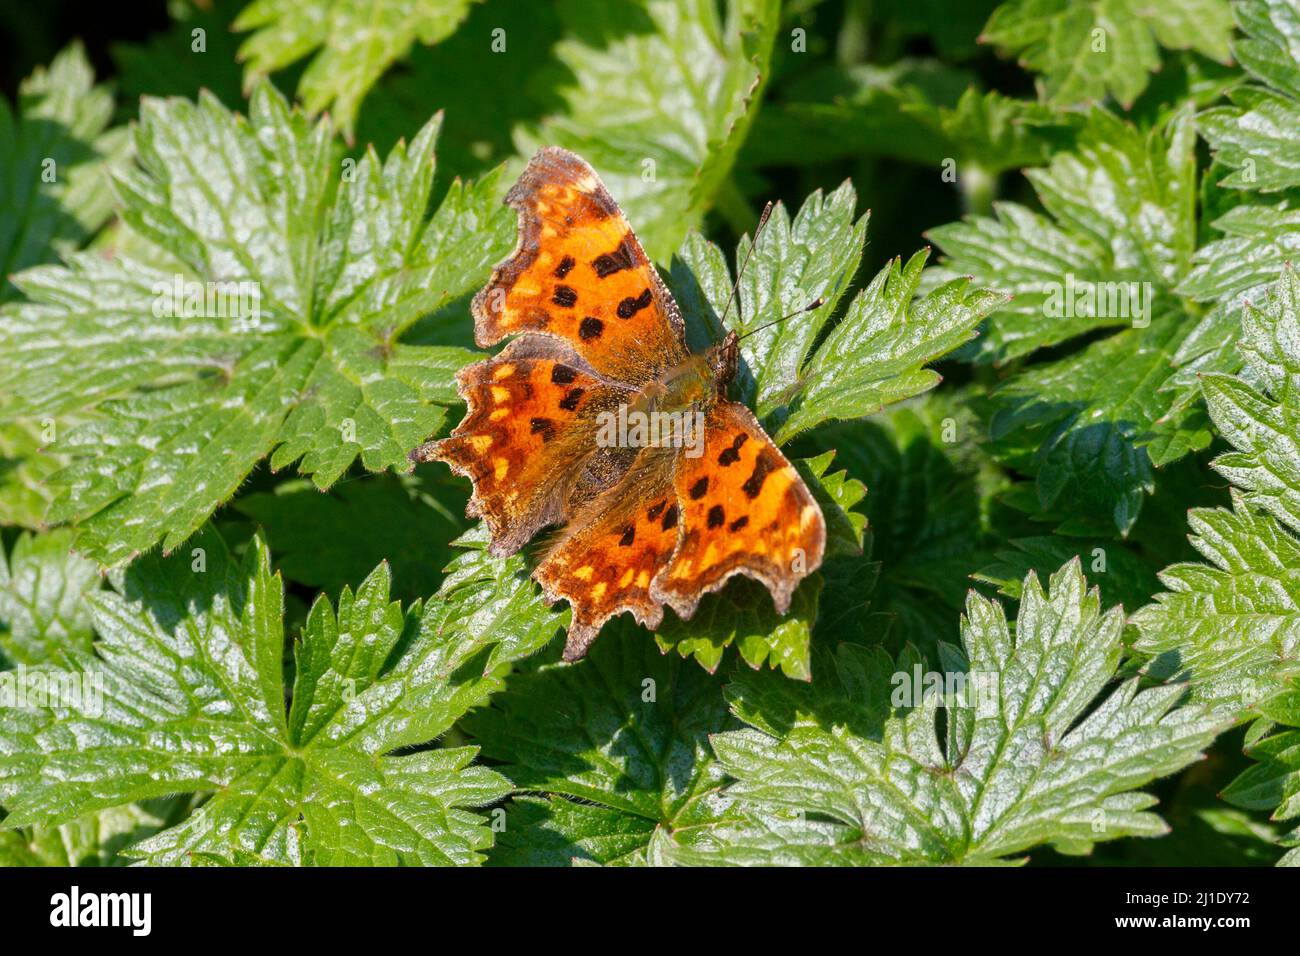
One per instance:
(598, 340)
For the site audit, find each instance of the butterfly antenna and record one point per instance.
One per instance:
(735, 286)
(816, 303)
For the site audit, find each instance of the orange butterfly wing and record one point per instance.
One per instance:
(744, 510)
(578, 273)
(529, 428)
(612, 551)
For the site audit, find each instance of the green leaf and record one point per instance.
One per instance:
(877, 353)
(658, 97)
(1122, 577)
(351, 42)
(1256, 135)
(26, 464)
(1232, 627)
(1273, 783)
(55, 155)
(43, 607)
(742, 614)
(326, 541)
(291, 352)
(618, 747)
(851, 111)
(191, 696)
(874, 356)
(1088, 50)
(96, 839)
(1090, 425)
(931, 488)
(840, 774)
(493, 603)
(997, 133)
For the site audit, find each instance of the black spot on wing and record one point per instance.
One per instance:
(565, 296)
(570, 400)
(621, 258)
(565, 267)
(738, 523)
(629, 535)
(670, 518)
(716, 516)
(731, 454)
(590, 328)
(654, 513)
(764, 465)
(700, 488)
(631, 306)
(563, 375)
(544, 427)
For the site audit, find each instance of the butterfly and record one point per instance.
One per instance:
(647, 516)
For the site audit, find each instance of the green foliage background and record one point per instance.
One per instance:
(307, 656)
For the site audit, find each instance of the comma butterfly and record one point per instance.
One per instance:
(662, 516)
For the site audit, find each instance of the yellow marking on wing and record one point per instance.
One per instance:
(500, 394)
(643, 579)
(583, 573)
(626, 579)
(497, 414)
(598, 591)
(500, 466)
(503, 371)
(480, 443)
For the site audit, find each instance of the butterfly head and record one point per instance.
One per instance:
(723, 359)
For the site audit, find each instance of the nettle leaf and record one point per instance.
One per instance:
(1089, 50)
(351, 43)
(1232, 627)
(615, 749)
(488, 602)
(1029, 756)
(26, 464)
(931, 487)
(1273, 783)
(43, 589)
(191, 697)
(997, 133)
(1122, 577)
(875, 355)
(55, 154)
(658, 96)
(1118, 239)
(97, 839)
(831, 112)
(280, 338)
(328, 540)
(1257, 135)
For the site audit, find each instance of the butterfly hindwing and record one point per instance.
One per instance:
(613, 550)
(744, 510)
